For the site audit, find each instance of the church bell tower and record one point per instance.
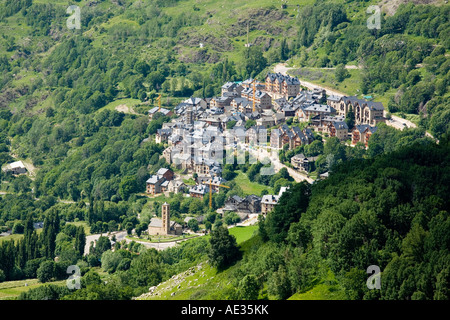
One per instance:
(165, 218)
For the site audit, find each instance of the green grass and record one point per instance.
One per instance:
(206, 283)
(243, 234)
(189, 182)
(16, 237)
(320, 292)
(248, 186)
(84, 224)
(11, 290)
(327, 289)
(325, 78)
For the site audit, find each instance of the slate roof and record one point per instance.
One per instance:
(153, 179)
(200, 189)
(320, 108)
(339, 125)
(280, 78)
(371, 104)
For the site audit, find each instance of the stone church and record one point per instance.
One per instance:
(163, 226)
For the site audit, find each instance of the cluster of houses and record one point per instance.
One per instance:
(251, 204)
(271, 103)
(204, 131)
(163, 181)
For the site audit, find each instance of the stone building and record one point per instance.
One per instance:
(366, 112)
(280, 84)
(269, 201)
(163, 226)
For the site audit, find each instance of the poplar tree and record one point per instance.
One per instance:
(80, 240)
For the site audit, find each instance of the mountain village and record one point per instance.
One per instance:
(254, 117)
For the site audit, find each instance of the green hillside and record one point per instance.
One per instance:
(74, 106)
(319, 241)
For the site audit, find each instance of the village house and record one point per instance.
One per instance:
(232, 87)
(199, 219)
(16, 168)
(309, 135)
(250, 83)
(196, 103)
(322, 124)
(302, 163)
(199, 191)
(176, 186)
(324, 175)
(269, 201)
(294, 137)
(215, 182)
(205, 167)
(220, 102)
(262, 99)
(240, 104)
(280, 103)
(279, 118)
(266, 121)
(299, 138)
(276, 139)
(256, 135)
(157, 182)
(162, 135)
(337, 103)
(366, 112)
(289, 111)
(189, 113)
(279, 84)
(249, 204)
(362, 133)
(154, 184)
(182, 161)
(253, 115)
(304, 113)
(338, 129)
(155, 110)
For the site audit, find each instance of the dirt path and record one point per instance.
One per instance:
(125, 109)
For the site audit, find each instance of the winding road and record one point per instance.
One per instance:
(121, 235)
(268, 152)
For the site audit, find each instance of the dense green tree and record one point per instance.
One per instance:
(293, 202)
(46, 271)
(127, 186)
(341, 73)
(248, 288)
(47, 238)
(193, 225)
(80, 240)
(224, 250)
